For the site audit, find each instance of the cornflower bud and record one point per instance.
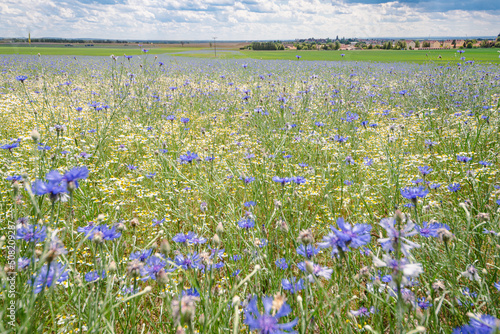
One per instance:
(306, 237)
(219, 229)
(35, 135)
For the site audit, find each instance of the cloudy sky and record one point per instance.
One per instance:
(247, 19)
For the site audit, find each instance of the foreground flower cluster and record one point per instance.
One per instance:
(160, 195)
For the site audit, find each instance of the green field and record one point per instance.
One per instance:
(419, 56)
(88, 51)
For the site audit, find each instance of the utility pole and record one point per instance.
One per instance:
(215, 47)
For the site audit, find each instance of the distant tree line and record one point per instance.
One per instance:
(68, 40)
(267, 46)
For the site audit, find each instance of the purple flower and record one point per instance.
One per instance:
(395, 236)
(73, 175)
(107, 233)
(54, 187)
(158, 221)
(292, 285)
(21, 78)
(189, 157)
(10, 146)
(281, 263)
(479, 324)
(57, 273)
(307, 251)
(246, 223)
(281, 180)
(454, 187)
(93, 276)
(413, 192)
(32, 233)
(317, 271)
(152, 267)
(461, 158)
(266, 323)
(248, 179)
(430, 230)
(188, 262)
(141, 255)
(299, 180)
(425, 170)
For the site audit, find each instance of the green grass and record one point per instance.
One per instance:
(418, 56)
(88, 51)
(412, 56)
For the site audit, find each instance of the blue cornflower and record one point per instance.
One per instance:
(14, 178)
(158, 221)
(368, 161)
(395, 237)
(188, 262)
(188, 157)
(435, 185)
(31, 233)
(236, 273)
(308, 251)
(249, 204)
(430, 143)
(131, 167)
(183, 238)
(340, 139)
(430, 230)
(318, 271)
(21, 78)
(43, 147)
(454, 187)
(281, 180)
(191, 292)
(485, 163)
(107, 233)
(236, 257)
(303, 165)
(299, 179)
(479, 324)
(292, 284)
(184, 120)
(425, 170)
(73, 175)
(93, 276)
(152, 267)
(23, 263)
(248, 179)
(497, 285)
(349, 160)
(282, 263)
(461, 158)
(266, 323)
(141, 255)
(412, 193)
(163, 150)
(10, 146)
(246, 223)
(362, 312)
(355, 236)
(423, 303)
(57, 273)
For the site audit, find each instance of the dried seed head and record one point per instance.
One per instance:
(306, 237)
(278, 302)
(165, 247)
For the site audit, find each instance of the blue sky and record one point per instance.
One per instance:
(247, 19)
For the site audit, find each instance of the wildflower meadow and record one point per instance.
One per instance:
(155, 194)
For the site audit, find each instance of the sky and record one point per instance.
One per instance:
(247, 19)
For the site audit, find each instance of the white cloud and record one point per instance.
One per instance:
(236, 19)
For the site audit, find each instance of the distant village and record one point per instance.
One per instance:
(363, 44)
